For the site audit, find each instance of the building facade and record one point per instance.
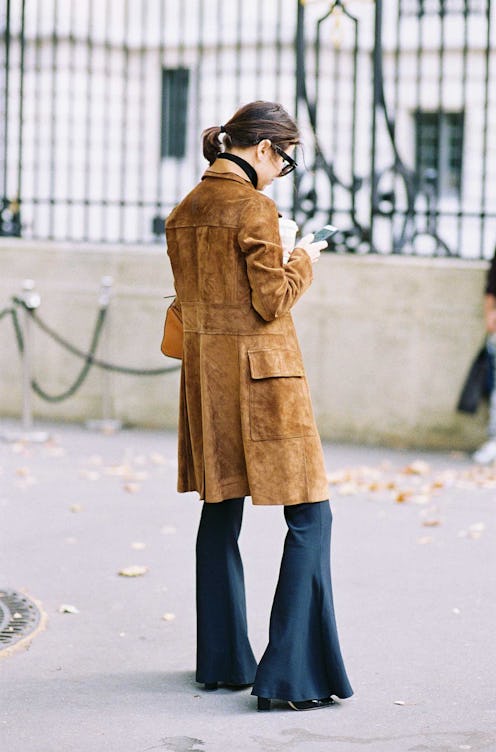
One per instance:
(102, 105)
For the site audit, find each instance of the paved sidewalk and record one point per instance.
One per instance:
(414, 571)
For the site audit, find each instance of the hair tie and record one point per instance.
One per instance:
(222, 129)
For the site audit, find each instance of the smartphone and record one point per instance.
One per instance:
(325, 233)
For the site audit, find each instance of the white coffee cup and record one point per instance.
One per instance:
(287, 230)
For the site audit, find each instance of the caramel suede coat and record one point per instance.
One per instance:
(246, 426)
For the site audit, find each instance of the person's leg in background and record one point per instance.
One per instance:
(487, 452)
(224, 653)
(491, 344)
(303, 658)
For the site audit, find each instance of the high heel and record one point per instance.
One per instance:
(211, 686)
(323, 702)
(263, 703)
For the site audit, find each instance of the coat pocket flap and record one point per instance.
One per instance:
(266, 364)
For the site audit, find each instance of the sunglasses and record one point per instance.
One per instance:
(290, 165)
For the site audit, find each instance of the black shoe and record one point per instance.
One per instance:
(324, 702)
(264, 704)
(212, 686)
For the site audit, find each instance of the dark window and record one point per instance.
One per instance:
(175, 86)
(439, 150)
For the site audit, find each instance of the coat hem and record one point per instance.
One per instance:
(257, 502)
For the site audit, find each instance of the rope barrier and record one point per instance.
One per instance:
(81, 377)
(17, 327)
(88, 357)
(97, 361)
(5, 312)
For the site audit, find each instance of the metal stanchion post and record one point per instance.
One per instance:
(31, 299)
(106, 424)
(31, 302)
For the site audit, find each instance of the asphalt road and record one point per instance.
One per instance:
(414, 575)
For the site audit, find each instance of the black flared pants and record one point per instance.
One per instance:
(303, 658)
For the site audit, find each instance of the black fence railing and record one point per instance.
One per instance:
(102, 105)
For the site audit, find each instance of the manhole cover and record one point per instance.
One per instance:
(19, 618)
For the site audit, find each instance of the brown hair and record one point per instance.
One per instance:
(248, 126)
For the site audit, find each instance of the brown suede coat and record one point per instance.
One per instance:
(246, 426)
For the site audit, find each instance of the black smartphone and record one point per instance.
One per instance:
(325, 233)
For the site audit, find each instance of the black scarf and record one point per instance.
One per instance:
(245, 166)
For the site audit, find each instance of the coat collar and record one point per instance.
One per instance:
(227, 176)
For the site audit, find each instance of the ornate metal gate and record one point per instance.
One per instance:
(396, 101)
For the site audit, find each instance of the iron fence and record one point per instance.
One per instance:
(102, 104)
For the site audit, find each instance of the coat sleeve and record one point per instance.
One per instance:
(274, 288)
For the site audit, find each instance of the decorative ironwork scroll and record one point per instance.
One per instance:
(381, 203)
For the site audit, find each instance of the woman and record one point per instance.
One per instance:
(246, 426)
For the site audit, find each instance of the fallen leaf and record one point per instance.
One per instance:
(419, 467)
(337, 477)
(132, 487)
(424, 540)
(475, 531)
(437, 484)
(25, 478)
(402, 496)
(375, 486)
(117, 470)
(477, 527)
(76, 508)
(134, 571)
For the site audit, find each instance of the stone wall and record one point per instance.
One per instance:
(387, 341)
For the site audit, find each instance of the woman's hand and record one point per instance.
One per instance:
(312, 248)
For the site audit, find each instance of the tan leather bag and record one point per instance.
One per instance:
(172, 340)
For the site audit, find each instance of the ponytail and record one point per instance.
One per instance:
(212, 144)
